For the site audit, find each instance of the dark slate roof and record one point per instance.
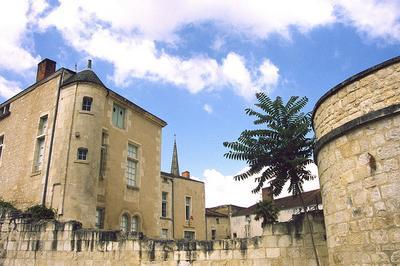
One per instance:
(309, 197)
(214, 213)
(86, 75)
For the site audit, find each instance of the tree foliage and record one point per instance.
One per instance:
(280, 150)
(267, 211)
(40, 212)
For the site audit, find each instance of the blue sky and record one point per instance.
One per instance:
(197, 64)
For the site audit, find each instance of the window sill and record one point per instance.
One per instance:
(165, 218)
(132, 187)
(86, 112)
(81, 162)
(35, 173)
(188, 226)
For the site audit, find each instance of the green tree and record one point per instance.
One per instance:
(267, 211)
(280, 151)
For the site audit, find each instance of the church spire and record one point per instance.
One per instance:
(175, 164)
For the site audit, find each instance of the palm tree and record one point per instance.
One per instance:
(279, 152)
(267, 211)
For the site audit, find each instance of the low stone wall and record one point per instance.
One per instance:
(23, 242)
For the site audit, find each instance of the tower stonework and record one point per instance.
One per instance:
(357, 126)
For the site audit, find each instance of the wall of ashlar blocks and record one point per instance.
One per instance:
(53, 243)
(357, 125)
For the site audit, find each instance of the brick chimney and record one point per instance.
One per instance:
(45, 68)
(267, 194)
(186, 174)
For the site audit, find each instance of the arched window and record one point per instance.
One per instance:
(124, 223)
(87, 103)
(135, 224)
(82, 153)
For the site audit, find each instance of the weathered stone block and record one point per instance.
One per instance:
(273, 252)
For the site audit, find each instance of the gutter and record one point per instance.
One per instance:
(53, 130)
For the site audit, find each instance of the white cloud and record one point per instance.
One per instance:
(223, 189)
(15, 19)
(127, 33)
(208, 108)
(374, 18)
(8, 88)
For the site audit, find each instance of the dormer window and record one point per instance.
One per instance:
(87, 103)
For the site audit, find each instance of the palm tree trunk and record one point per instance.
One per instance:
(310, 229)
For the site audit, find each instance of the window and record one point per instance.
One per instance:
(135, 224)
(217, 220)
(118, 116)
(82, 154)
(234, 235)
(4, 111)
(189, 235)
(42, 125)
(131, 165)
(164, 233)
(1, 145)
(87, 103)
(40, 141)
(100, 218)
(124, 223)
(213, 234)
(164, 204)
(188, 208)
(103, 155)
(247, 230)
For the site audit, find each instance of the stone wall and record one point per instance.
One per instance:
(23, 242)
(358, 154)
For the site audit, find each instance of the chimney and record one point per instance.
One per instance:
(89, 64)
(267, 194)
(186, 174)
(45, 68)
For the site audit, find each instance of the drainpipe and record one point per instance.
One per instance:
(53, 130)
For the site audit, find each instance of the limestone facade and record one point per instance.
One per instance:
(357, 125)
(102, 167)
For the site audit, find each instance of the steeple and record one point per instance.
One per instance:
(175, 164)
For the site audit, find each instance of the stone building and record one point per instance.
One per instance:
(218, 221)
(243, 223)
(185, 216)
(357, 126)
(69, 142)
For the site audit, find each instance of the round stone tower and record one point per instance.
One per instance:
(357, 125)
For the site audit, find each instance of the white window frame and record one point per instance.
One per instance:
(1, 147)
(78, 154)
(100, 217)
(187, 217)
(135, 221)
(124, 222)
(132, 177)
(164, 202)
(40, 143)
(103, 154)
(189, 231)
(87, 103)
(164, 233)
